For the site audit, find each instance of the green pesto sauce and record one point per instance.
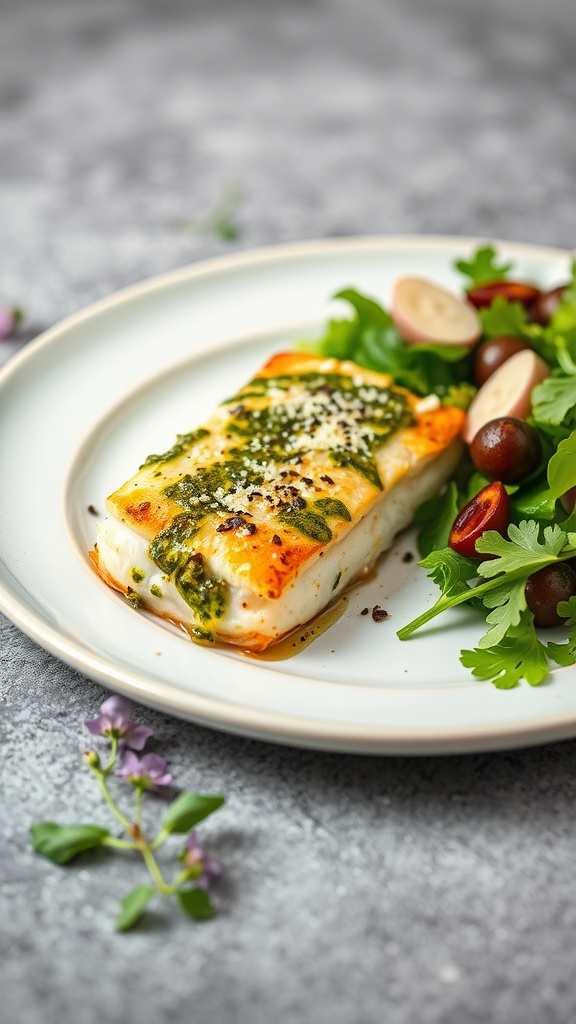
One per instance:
(137, 575)
(173, 554)
(333, 507)
(306, 522)
(183, 443)
(134, 599)
(155, 590)
(272, 434)
(265, 433)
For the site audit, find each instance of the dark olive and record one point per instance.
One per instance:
(492, 353)
(545, 588)
(506, 449)
(546, 304)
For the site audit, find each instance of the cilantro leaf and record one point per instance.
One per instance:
(520, 655)
(565, 654)
(482, 267)
(449, 570)
(503, 318)
(524, 550)
(567, 609)
(436, 516)
(515, 560)
(507, 603)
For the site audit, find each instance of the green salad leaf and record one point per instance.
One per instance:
(503, 319)
(435, 518)
(518, 655)
(510, 647)
(562, 467)
(554, 399)
(371, 340)
(565, 654)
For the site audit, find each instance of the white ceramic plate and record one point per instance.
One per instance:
(82, 406)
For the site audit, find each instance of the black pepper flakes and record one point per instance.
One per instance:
(408, 557)
(235, 523)
(92, 510)
(327, 480)
(379, 614)
(276, 539)
(364, 611)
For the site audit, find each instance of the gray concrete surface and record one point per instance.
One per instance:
(357, 891)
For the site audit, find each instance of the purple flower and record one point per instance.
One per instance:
(148, 772)
(114, 721)
(201, 868)
(9, 317)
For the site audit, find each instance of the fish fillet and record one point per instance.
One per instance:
(252, 523)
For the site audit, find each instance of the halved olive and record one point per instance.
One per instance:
(488, 510)
(512, 291)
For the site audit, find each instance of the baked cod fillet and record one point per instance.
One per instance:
(254, 522)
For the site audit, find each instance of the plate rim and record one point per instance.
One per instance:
(274, 726)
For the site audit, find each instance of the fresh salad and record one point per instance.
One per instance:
(502, 535)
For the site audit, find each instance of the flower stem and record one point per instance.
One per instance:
(120, 844)
(138, 806)
(110, 801)
(154, 870)
(113, 752)
(160, 838)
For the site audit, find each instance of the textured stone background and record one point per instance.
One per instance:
(357, 890)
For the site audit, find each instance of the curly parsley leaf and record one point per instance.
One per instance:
(519, 655)
(483, 267)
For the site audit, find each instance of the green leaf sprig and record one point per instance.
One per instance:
(510, 650)
(482, 267)
(62, 843)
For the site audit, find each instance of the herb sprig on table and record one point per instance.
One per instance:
(62, 843)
